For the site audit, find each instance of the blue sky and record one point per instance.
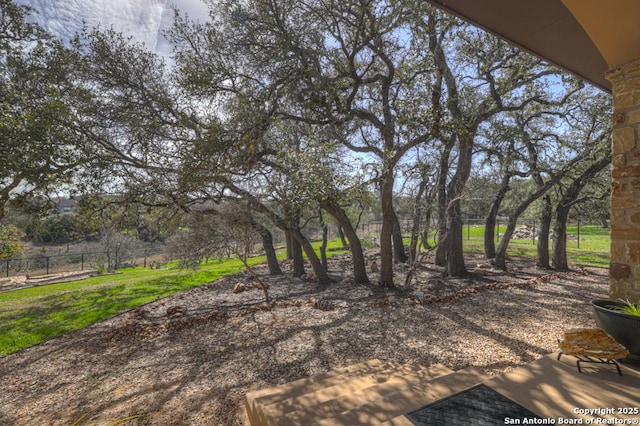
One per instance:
(142, 19)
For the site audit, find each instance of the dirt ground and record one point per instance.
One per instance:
(189, 359)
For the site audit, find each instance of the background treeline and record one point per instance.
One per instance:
(274, 115)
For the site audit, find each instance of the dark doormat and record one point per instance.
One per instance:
(478, 406)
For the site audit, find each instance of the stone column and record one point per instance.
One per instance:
(625, 183)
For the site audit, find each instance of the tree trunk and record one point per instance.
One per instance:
(270, 251)
(501, 254)
(296, 253)
(440, 257)
(542, 249)
(559, 255)
(489, 236)
(455, 251)
(318, 270)
(490, 220)
(289, 243)
(388, 215)
(355, 246)
(323, 247)
(342, 238)
(542, 189)
(543, 233)
(450, 194)
(5, 192)
(455, 254)
(424, 238)
(399, 255)
(295, 232)
(416, 222)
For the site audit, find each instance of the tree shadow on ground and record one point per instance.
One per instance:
(199, 374)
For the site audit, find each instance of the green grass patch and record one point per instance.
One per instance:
(591, 250)
(32, 315)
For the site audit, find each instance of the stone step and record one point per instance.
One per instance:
(329, 402)
(390, 409)
(264, 397)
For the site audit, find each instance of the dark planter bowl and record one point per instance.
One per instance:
(622, 327)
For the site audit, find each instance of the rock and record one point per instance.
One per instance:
(239, 288)
(176, 311)
(523, 233)
(419, 295)
(321, 304)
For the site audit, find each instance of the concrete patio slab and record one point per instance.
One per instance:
(383, 392)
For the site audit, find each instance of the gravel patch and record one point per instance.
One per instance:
(190, 358)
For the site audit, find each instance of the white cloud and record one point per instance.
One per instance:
(142, 19)
(196, 9)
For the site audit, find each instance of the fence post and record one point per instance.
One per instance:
(145, 258)
(7, 268)
(82, 261)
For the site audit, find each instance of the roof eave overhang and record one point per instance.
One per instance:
(545, 28)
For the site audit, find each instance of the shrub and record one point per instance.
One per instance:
(57, 229)
(10, 245)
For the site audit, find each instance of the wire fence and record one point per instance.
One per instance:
(107, 260)
(154, 256)
(527, 229)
